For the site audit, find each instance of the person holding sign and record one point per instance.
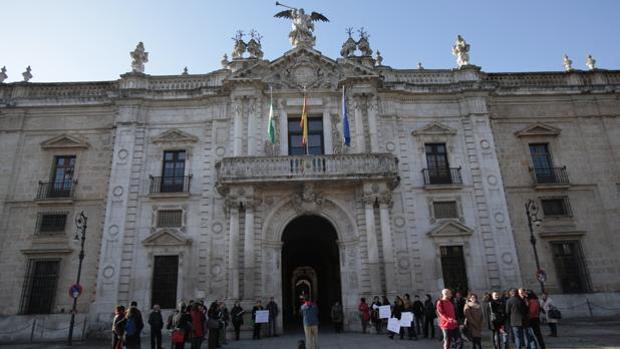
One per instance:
(399, 308)
(256, 308)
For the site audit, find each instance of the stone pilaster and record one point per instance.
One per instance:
(360, 139)
(385, 202)
(373, 245)
(237, 107)
(249, 263)
(252, 130)
(233, 249)
(372, 110)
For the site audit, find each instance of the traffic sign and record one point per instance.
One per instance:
(541, 275)
(75, 290)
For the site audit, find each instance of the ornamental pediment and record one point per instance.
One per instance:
(64, 141)
(433, 129)
(303, 67)
(175, 136)
(538, 129)
(450, 229)
(166, 238)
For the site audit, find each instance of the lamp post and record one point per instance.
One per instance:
(80, 235)
(531, 210)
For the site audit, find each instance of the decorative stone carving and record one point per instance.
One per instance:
(567, 62)
(185, 72)
(139, 57)
(590, 62)
(175, 136)
(450, 229)
(3, 75)
(224, 61)
(349, 46)
(538, 129)
(254, 47)
(240, 45)
(337, 140)
(166, 238)
(27, 75)
(433, 129)
(461, 51)
(309, 200)
(302, 30)
(363, 44)
(378, 59)
(64, 141)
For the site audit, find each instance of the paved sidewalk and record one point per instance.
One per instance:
(581, 333)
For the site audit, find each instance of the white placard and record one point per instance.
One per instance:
(262, 317)
(385, 312)
(394, 325)
(406, 319)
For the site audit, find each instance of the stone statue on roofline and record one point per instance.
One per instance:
(254, 45)
(139, 57)
(3, 75)
(461, 51)
(240, 45)
(27, 74)
(567, 62)
(302, 30)
(590, 62)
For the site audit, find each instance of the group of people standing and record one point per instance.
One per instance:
(190, 323)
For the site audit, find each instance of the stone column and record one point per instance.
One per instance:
(386, 238)
(283, 127)
(373, 104)
(233, 249)
(252, 115)
(237, 107)
(373, 246)
(248, 251)
(327, 131)
(360, 140)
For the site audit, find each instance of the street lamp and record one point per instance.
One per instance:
(80, 234)
(531, 209)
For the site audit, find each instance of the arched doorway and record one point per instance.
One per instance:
(310, 266)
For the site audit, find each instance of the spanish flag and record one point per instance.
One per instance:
(304, 124)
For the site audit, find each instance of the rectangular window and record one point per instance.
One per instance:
(40, 286)
(453, 268)
(556, 207)
(169, 218)
(51, 222)
(315, 136)
(541, 159)
(438, 171)
(173, 171)
(62, 176)
(570, 266)
(164, 286)
(445, 209)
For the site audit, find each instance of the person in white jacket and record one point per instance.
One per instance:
(547, 305)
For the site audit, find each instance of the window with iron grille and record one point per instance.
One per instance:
(570, 266)
(169, 218)
(173, 171)
(164, 287)
(437, 162)
(445, 209)
(40, 286)
(556, 207)
(453, 268)
(51, 222)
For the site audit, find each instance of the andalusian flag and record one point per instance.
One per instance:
(304, 124)
(271, 126)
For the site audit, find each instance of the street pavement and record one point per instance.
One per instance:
(590, 333)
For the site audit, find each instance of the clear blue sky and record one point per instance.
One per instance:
(82, 40)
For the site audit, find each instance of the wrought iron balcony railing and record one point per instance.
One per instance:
(173, 184)
(433, 176)
(311, 167)
(550, 175)
(56, 190)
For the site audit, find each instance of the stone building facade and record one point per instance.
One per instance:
(186, 198)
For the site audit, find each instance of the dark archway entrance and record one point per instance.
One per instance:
(310, 266)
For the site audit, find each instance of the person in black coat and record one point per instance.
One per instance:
(418, 313)
(397, 311)
(496, 316)
(157, 323)
(215, 316)
(429, 317)
(516, 315)
(236, 313)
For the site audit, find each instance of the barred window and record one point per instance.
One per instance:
(445, 209)
(556, 207)
(40, 286)
(570, 266)
(51, 222)
(169, 218)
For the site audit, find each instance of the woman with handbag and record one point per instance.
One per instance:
(552, 314)
(181, 324)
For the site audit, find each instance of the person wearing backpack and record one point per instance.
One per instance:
(132, 329)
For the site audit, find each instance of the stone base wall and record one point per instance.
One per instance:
(40, 328)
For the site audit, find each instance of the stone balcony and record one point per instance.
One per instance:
(343, 167)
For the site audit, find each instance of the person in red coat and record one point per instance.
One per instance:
(364, 314)
(447, 321)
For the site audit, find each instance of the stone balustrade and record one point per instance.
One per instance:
(313, 167)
